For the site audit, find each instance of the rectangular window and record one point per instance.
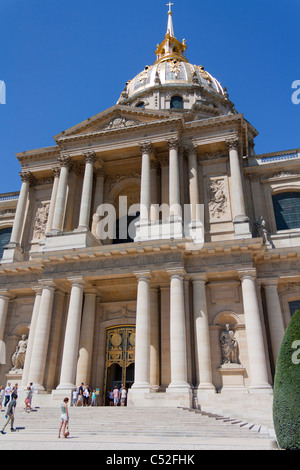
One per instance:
(287, 210)
(294, 306)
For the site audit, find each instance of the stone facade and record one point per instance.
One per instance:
(205, 251)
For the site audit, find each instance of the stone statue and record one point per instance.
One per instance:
(230, 347)
(18, 358)
(263, 231)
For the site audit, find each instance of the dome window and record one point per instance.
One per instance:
(141, 104)
(177, 102)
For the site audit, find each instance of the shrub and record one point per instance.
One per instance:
(286, 406)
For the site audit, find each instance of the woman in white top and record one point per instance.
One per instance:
(64, 418)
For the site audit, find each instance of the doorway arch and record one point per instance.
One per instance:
(119, 358)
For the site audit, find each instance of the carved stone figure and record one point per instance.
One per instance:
(229, 346)
(18, 358)
(218, 203)
(263, 232)
(40, 222)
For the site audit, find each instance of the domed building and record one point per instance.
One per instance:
(151, 247)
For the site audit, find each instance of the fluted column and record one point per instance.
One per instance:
(274, 313)
(142, 344)
(238, 200)
(194, 185)
(87, 189)
(32, 331)
(86, 339)
(4, 303)
(202, 336)
(154, 208)
(154, 338)
(174, 179)
(178, 349)
(71, 342)
(254, 333)
(41, 337)
(61, 197)
(56, 172)
(17, 230)
(145, 199)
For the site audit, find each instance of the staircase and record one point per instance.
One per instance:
(122, 428)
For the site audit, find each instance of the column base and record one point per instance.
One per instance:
(68, 240)
(264, 388)
(159, 230)
(241, 227)
(195, 231)
(66, 387)
(13, 252)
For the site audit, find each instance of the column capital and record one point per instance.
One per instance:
(47, 283)
(272, 282)
(5, 294)
(27, 177)
(64, 161)
(250, 273)
(233, 144)
(176, 272)
(146, 147)
(76, 280)
(90, 157)
(174, 143)
(191, 149)
(143, 275)
(56, 171)
(198, 277)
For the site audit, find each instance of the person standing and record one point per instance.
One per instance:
(64, 418)
(123, 396)
(31, 393)
(94, 398)
(10, 414)
(7, 394)
(28, 400)
(116, 395)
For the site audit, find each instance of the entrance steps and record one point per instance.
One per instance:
(117, 428)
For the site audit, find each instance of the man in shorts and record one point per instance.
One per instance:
(10, 414)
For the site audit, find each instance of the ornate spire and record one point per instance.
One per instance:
(171, 48)
(170, 28)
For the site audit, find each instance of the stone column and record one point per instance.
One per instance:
(61, 197)
(164, 165)
(56, 172)
(194, 185)
(174, 179)
(274, 313)
(87, 190)
(142, 345)
(32, 330)
(202, 336)
(154, 208)
(238, 201)
(4, 303)
(154, 339)
(255, 342)
(178, 349)
(145, 199)
(41, 336)
(84, 364)
(71, 342)
(17, 230)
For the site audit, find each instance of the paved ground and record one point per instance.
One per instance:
(123, 429)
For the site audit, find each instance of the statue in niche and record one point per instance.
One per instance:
(18, 358)
(263, 232)
(229, 346)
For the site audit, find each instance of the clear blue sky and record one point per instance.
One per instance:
(66, 60)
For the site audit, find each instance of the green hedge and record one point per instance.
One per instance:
(286, 407)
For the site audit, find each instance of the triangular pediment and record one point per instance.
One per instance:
(116, 118)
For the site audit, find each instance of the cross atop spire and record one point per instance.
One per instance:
(170, 28)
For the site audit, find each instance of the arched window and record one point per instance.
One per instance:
(141, 104)
(5, 234)
(287, 210)
(177, 102)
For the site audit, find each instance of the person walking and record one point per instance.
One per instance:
(31, 393)
(7, 394)
(28, 400)
(123, 396)
(80, 395)
(64, 418)
(10, 414)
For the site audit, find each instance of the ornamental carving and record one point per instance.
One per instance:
(40, 222)
(218, 199)
(120, 122)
